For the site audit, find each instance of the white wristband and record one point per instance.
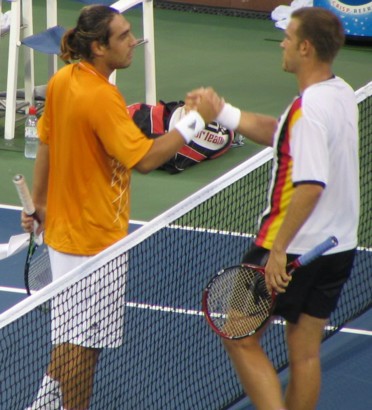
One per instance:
(229, 117)
(190, 125)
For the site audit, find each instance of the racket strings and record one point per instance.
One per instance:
(239, 301)
(39, 273)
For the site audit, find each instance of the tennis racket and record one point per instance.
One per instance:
(237, 303)
(37, 271)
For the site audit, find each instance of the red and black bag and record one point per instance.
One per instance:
(156, 120)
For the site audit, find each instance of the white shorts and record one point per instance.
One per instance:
(89, 313)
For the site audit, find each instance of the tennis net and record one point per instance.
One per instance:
(169, 358)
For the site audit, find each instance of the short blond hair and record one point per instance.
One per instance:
(322, 29)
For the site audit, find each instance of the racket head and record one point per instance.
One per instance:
(236, 302)
(37, 272)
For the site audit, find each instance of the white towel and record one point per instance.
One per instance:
(16, 244)
(281, 14)
(4, 22)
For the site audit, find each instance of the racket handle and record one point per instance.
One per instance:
(314, 253)
(24, 194)
(28, 204)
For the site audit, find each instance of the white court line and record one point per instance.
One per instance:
(167, 309)
(12, 290)
(191, 312)
(356, 331)
(344, 329)
(137, 222)
(200, 313)
(12, 207)
(19, 208)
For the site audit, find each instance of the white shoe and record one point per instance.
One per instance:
(49, 396)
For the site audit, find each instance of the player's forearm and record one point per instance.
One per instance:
(41, 172)
(166, 146)
(163, 148)
(258, 128)
(302, 204)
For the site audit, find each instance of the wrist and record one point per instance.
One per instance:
(229, 117)
(190, 125)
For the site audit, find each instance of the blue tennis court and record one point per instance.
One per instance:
(346, 356)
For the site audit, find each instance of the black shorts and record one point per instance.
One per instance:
(314, 289)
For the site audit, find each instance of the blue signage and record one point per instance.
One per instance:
(356, 15)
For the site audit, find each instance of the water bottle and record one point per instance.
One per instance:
(31, 137)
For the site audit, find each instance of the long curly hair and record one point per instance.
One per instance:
(93, 25)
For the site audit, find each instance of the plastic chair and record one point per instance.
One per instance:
(21, 33)
(48, 42)
(20, 25)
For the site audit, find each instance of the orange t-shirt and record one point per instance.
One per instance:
(93, 144)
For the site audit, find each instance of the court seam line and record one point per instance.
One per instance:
(19, 208)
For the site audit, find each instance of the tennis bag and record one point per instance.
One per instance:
(155, 120)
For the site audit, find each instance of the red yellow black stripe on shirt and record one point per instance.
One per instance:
(282, 187)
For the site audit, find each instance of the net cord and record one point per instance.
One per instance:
(364, 92)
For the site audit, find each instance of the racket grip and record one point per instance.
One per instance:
(314, 253)
(28, 204)
(24, 194)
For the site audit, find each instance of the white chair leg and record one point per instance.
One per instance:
(11, 89)
(51, 22)
(29, 68)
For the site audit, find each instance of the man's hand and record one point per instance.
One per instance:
(276, 276)
(206, 101)
(28, 224)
